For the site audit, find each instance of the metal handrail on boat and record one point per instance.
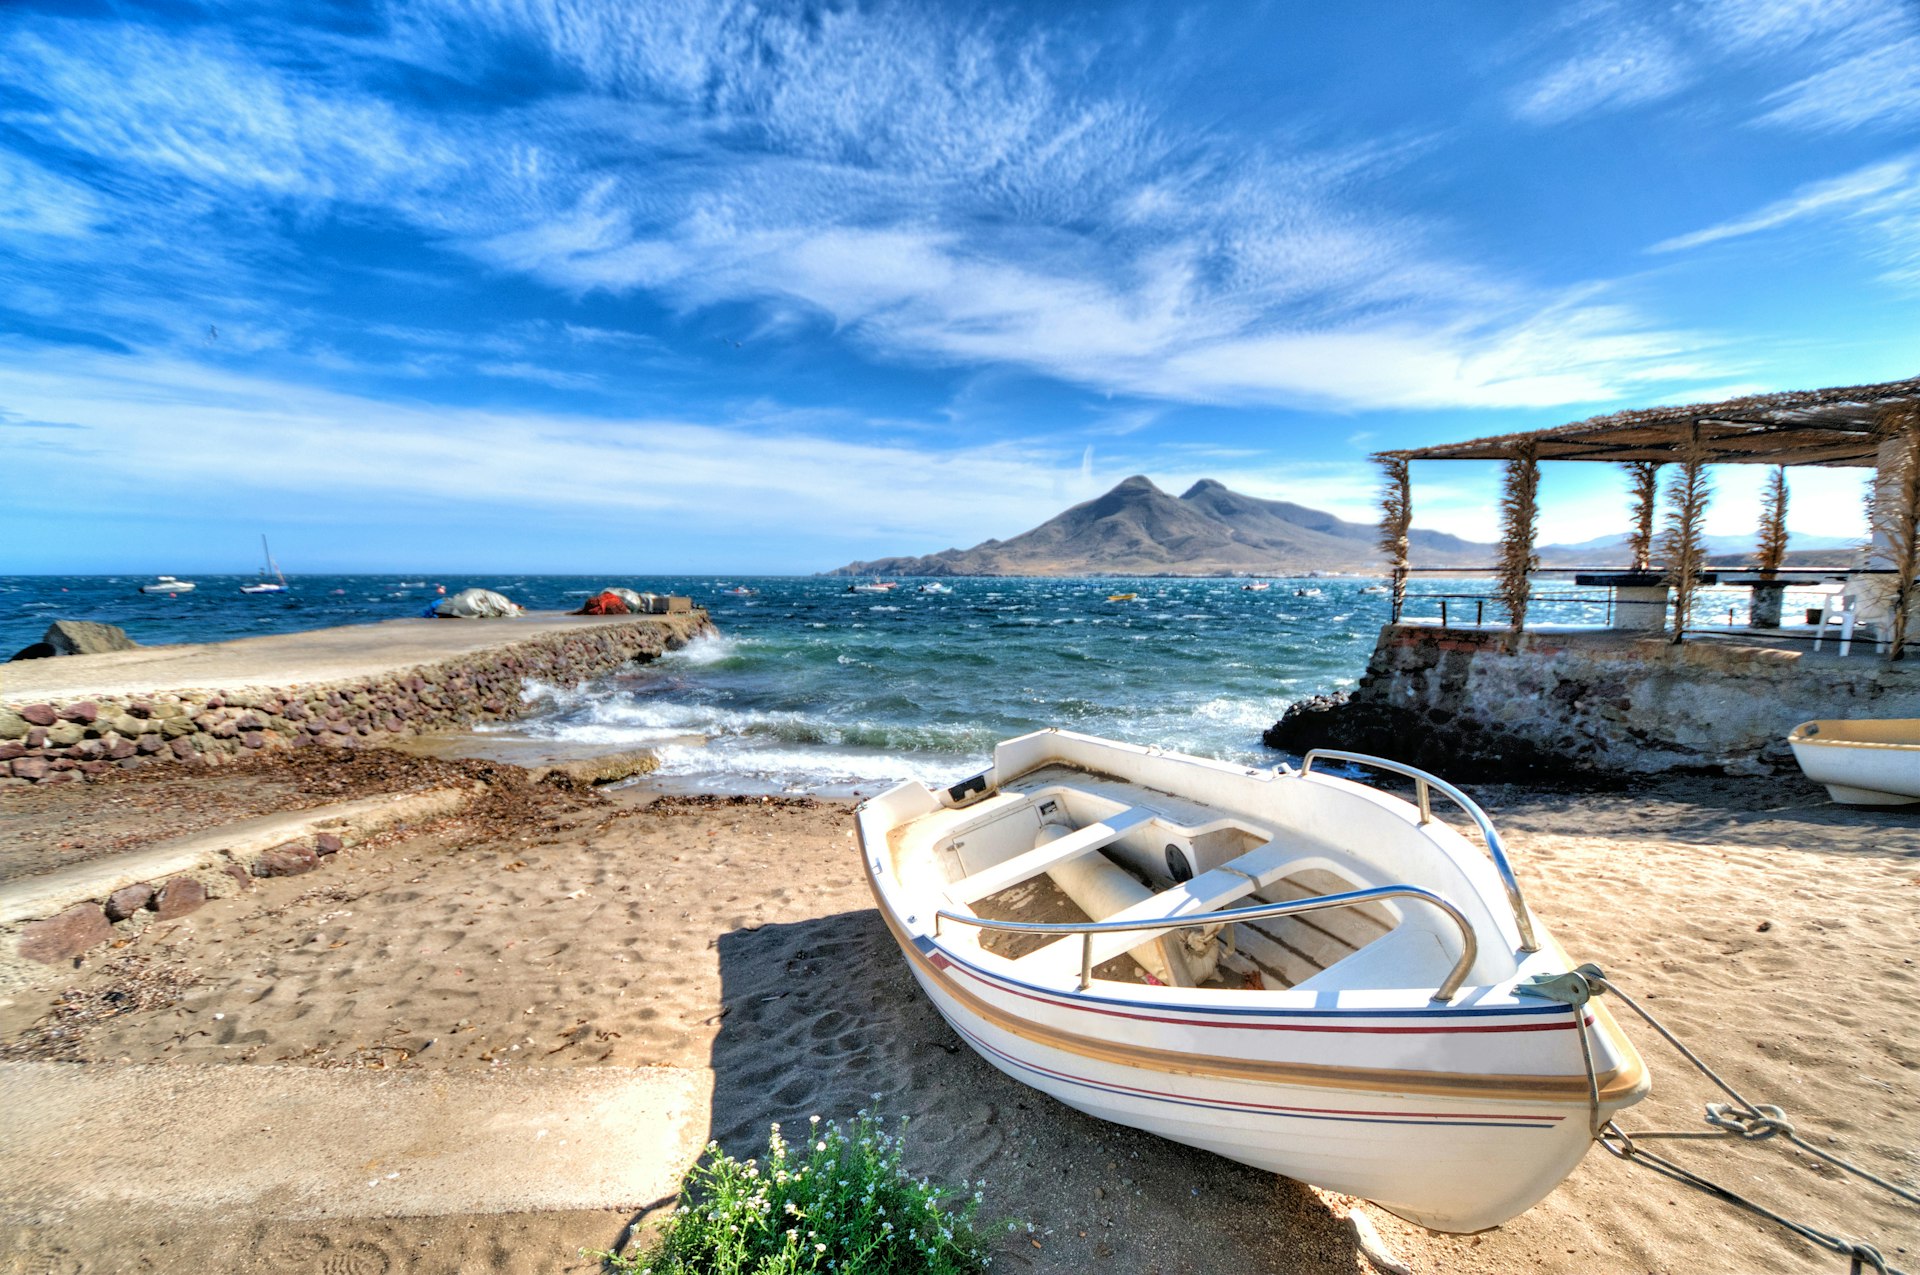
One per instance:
(1422, 782)
(1469, 946)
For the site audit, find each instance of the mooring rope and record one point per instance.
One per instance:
(1747, 1121)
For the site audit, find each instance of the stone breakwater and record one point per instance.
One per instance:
(70, 740)
(1478, 704)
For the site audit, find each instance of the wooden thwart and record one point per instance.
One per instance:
(1034, 862)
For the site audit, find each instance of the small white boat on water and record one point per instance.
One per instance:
(1289, 968)
(168, 585)
(263, 585)
(1862, 762)
(936, 587)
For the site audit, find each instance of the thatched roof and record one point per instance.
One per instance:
(1832, 427)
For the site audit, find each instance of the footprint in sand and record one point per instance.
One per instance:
(363, 1257)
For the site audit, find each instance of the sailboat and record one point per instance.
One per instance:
(263, 585)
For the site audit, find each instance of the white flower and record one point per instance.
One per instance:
(813, 1119)
(819, 1248)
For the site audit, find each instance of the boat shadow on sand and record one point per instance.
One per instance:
(822, 1017)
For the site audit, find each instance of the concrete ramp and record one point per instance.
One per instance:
(300, 1142)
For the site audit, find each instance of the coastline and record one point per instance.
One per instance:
(727, 944)
(536, 942)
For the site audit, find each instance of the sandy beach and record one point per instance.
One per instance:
(731, 940)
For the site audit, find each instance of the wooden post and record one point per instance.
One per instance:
(1520, 519)
(1894, 510)
(1396, 516)
(1683, 543)
(1765, 611)
(1645, 477)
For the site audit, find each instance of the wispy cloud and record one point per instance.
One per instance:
(1880, 86)
(165, 422)
(1630, 68)
(934, 187)
(1879, 203)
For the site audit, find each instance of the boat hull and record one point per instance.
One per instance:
(1384, 1147)
(1461, 1163)
(1861, 763)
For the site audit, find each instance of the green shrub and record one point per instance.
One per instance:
(841, 1203)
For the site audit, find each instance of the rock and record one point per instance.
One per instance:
(327, 843)
(120, 748)
(12, 749)
(40, 714)
(240, 875)
(85, 711)
(178, 897)
(584, 772)
(252, 739)
(36, 737)
(30, 767)
(63, 734)
(289, 860)
(149, 743)
(182, 748)
(12, 724)
(176, 727)
(123, 903)
(84, 637)
(38, 651)
(63, 937)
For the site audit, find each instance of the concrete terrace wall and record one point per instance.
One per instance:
(63, 740)
(1488, 704)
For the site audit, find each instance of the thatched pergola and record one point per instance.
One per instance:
(1859, 426)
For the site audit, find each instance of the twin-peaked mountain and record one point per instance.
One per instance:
(1137, 529)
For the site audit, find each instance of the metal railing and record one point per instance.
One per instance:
(1469, 946)
(1424, 786)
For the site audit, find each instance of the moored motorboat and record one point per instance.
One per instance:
(1289, 968)
(1862, 762)
(168, 585)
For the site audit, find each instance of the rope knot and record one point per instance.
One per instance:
(1757, 1125)
(1865, 1257)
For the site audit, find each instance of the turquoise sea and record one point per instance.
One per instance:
(811, 687)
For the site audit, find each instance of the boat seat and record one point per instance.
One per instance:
(1208, 892)
(1407, 956)
(1033, 862)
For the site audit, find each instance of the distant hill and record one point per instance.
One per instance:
(1137, 529)
(1210, 529)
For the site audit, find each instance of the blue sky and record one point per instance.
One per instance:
(600, 285)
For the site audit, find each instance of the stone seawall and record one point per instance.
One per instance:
(68, 739)
(1482, 704)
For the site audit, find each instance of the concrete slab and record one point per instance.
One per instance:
(585, 763)
(301, 1142)
(355, 651)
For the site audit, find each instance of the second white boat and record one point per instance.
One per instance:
(1289, 968)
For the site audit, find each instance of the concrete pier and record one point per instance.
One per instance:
(75, 717)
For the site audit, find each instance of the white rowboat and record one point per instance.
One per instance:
(1346, 1012)
(1862, 762)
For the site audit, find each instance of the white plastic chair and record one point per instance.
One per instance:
(1863, 599)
